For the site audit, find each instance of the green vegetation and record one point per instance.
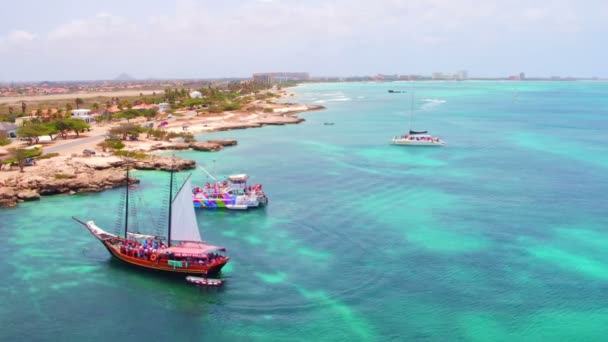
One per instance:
(61, 176)
(34, 129)
(64, 126)
(126, 130)
(131, 154)
(111, 144)
(19, 155)
(188, 137)
(134, 113)
(4, 139)
(222, 96)
(190, 103)
(159, 134)
(265, 96)
(47, 156)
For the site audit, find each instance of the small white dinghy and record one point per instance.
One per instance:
(204, 281)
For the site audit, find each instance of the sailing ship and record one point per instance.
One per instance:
(416, 138)
(233, 193)
(182, 251)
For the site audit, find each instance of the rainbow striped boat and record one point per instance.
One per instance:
(233, 193)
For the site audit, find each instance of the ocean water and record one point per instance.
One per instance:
(500, 235)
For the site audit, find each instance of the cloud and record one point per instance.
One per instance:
(100, 26)
(20, 37)
(17, 39)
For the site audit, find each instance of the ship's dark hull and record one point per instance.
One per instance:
(162, 266)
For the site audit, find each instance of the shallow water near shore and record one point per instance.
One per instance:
(500, 235)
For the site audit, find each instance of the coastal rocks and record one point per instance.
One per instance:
(28, 195)
(209, 146)
(280, 120)
(8, 198)
(206, 146)
(164, 163)
(71, 175)
(170, 146)
(231, 126)
(223, 142)
(154, 163)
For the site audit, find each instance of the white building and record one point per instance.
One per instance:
(82, 114)
(196, 95)
(462, 75)
(163, 107)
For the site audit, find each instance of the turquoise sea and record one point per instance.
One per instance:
(501, 235)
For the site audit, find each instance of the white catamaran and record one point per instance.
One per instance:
(416, 138)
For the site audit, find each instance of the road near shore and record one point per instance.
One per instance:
(73, 144)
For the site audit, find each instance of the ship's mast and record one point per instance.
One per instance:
(170, 210)
(127, 203)
(411, 106)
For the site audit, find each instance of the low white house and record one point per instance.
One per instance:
(196, 95)
(10, 129)
(163, 107)
(83, 114)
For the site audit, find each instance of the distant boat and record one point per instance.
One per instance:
(328, 123)
(395, 91)
(416, 138)
(434, 100)
(182, 251)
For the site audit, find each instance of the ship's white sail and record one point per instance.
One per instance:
(184, 226)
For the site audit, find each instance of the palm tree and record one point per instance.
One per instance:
(78, 102)
(95, 106)
(23, 107)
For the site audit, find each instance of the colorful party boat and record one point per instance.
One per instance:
(233, 193)
(182, 251)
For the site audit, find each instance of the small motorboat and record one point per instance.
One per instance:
(200, 281)
(328, 123)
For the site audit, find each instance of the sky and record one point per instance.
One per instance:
(88, 40)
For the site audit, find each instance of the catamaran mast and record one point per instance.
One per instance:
(127, 203)
(170, 210)
(411, 106)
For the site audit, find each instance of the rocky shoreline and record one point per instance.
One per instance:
(209, 146)
(79, 174)
(72, 174)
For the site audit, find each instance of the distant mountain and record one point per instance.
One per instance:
(124, 77)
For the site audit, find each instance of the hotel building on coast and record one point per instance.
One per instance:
(278, 77)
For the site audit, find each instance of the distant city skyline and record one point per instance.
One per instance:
(203, 39)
